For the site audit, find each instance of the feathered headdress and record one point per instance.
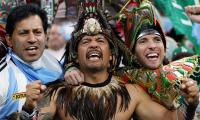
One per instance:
(135, 17)
(92, 21)
(163, 83)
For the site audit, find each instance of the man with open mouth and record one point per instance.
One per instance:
(145, 48)
(25, 61)
(102, 96)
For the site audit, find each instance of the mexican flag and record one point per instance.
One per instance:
(174, 9)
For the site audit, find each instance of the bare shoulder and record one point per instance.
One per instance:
(137, 92)
(134, 88)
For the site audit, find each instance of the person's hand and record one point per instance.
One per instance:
(74, 76)
(48, 105)
(193, 12)
(33, 94)
(191, 91)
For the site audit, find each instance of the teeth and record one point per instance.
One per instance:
(94, 55)
(31, 48)
(93, 58)
(152, 55)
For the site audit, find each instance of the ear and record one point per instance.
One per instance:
(76, 60)
(111, 57)
(111, 54)
(8, 41)
(46, 36)
(46, 39)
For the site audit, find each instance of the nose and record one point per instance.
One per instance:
(94, 44)
(32, 38)
(152, 44)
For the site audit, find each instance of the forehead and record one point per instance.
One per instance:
(149, 36)
(31, 22)
(94, 36)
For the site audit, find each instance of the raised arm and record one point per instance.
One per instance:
(148, 109)
(47, 107)
(191, 94)
(193, 12)
(36, 102)
(73, 75)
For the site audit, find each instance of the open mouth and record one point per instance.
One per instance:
(152, 56)
(94, 55)
(31, 49)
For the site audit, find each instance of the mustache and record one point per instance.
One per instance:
(97, 51)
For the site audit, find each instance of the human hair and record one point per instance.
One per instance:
(106, 31)
(150, 29)
(22, 12)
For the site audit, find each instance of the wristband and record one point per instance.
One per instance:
(71, 66)
(190, 111)
(24, 115)
(27, 110)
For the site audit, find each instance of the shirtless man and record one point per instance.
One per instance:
(102, 96)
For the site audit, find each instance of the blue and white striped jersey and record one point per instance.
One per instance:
(13, 82)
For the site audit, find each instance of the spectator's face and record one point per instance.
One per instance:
(149, 51)
(94, 53)
(56, 39)
(28, 39)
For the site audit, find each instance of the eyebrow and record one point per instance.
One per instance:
(157, 36)
(100, 36)
(31, 28)
(141, 39)
(85, 38)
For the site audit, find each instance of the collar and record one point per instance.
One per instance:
(102, 84)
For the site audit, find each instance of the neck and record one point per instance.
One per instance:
(97, 77)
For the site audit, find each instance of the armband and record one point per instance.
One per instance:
(71, 66)
(24, 115)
